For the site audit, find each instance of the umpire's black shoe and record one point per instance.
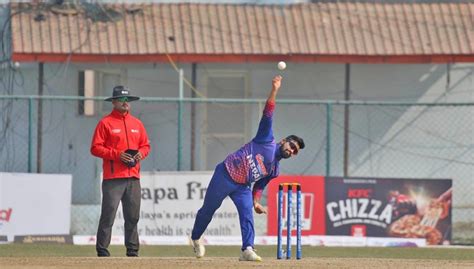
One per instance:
(132, 254)
(103, 253)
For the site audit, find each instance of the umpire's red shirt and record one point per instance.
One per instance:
(114, 134)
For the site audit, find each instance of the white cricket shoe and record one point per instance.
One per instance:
(249, 255)
(199, 249)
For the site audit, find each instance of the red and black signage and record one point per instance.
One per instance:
(370, 207)
(374, 207)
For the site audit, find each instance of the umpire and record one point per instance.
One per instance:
(122, 142)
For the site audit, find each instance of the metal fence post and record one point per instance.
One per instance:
(328, 138)
(30, 135)
(180, 115)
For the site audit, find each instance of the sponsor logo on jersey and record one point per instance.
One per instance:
(261, 165)
(258, 171)
(253, 167)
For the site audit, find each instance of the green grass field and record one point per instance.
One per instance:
(268, 252)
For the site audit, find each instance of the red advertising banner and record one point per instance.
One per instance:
(313, 201)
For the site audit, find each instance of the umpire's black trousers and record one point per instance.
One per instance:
(128, 191)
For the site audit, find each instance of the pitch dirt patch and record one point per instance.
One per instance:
(221, 262)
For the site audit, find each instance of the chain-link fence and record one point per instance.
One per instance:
(402, 140)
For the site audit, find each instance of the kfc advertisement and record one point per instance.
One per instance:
(368, 207)
(382, 207)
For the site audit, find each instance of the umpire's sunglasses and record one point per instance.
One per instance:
(122, 99)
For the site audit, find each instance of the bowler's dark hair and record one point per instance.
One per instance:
(297, 139)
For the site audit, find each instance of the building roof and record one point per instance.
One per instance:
(318, 32)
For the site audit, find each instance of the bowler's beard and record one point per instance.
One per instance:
(285, 154)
